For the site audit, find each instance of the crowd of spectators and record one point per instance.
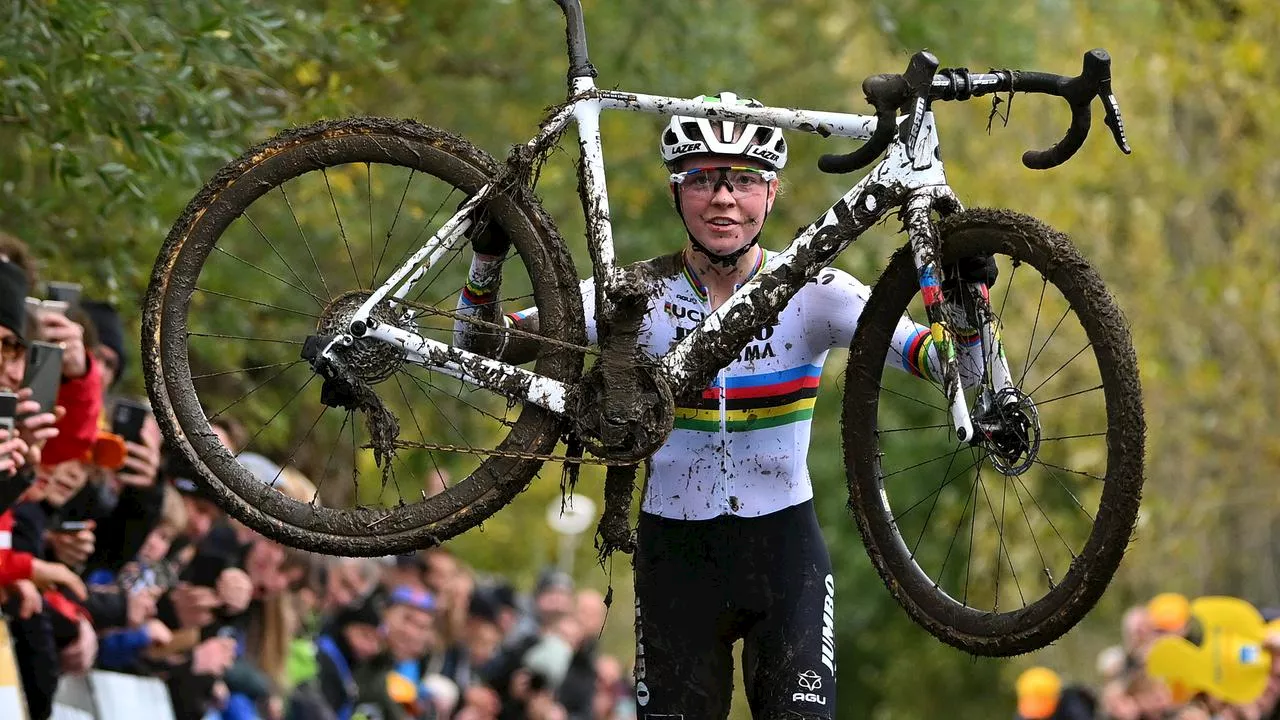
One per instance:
(1194, 686)
(112, 557)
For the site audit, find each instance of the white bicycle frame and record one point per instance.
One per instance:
(897, 180)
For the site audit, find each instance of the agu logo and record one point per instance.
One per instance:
(809, 681)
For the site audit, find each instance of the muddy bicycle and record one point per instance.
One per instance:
(315, 278)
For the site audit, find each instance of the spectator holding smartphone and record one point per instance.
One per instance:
(79, 396)
(33, 430)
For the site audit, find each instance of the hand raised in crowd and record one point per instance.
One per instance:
(275, 708)
(78, 657)
(158, 634)
(73, 548)
(142, 464)
(29, 600)
(194, 604)
(13, 452)
(213, 656)
(46, 575)
(69, 335)
(235, 589)
(37, 429)
(140, 606)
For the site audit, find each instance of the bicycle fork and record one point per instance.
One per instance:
(925, 247)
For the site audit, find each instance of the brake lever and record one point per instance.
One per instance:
(919, 78)
(1113, 119)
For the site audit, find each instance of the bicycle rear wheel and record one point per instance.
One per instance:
(285, 242)
(1000, 550)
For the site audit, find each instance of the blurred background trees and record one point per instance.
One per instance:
(113, 114)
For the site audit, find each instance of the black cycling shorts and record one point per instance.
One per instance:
(703, 584)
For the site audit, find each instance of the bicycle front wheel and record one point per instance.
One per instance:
(999, 546)
(286, 242)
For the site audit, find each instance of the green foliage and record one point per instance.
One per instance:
(112, 111)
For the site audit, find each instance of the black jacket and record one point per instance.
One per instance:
(33, 642)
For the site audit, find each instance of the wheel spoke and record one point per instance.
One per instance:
(1060, 369)
(1042, 403)
(918, 427)
(1046, 517)
(387, 241)
(288, 266)
(272, 275)
(328, 463)
(1032, 339)
(936, 494)
(275, 415)
(368, 183)
(1047, 340)
(1032, 533)
(244, 370)
(258, 303)
(255, 388)
(298, 224)
(341, 228)
(243, 337)
(955, 535)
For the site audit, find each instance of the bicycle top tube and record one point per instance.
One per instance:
(811, 121)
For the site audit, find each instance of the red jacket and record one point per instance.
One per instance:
(14, 565)
(82, 397)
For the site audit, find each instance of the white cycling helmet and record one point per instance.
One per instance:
(687, 136)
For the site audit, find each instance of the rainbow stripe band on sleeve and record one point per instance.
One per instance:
(755, 402)
(916, 358)
(473, 294)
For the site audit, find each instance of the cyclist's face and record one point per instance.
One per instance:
(724, 219)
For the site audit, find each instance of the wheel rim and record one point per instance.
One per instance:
(900, 519)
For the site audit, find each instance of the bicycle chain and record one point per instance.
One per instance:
(517, 454)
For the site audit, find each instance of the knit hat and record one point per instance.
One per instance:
(1038, 692)
(110, 329)
(1169, 612)
(365, 611)
(13, 293)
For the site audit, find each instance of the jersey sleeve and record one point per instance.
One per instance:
(834, 301)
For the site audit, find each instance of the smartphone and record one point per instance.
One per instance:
(8, 408)
(54, 306)
(44, 373)
(74, 526)
(127, 417)
(36, 307)
(33, 311)
(67, 292)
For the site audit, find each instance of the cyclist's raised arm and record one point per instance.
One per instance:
(480, 299)
(833, 304)
(914, 351)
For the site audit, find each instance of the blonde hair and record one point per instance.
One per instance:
(296, 485)
(271, 629)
